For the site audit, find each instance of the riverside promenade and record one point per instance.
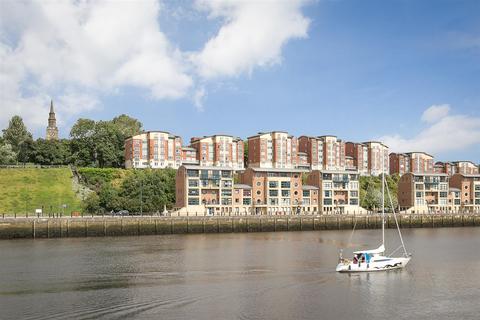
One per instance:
(103, 226)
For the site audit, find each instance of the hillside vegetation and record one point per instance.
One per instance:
(26, 189)
(146, 190)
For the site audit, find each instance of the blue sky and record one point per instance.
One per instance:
(406, 72)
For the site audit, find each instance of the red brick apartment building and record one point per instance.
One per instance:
(219, 150)
(154, 149)
(323, 152)
(415, 162)
(274, 149)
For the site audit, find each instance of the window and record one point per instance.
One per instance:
(273, 201)
(247, 201)
(418, 194)
(354, 194)
(306, 193)
(193, 201)
(327, 202)
(295, 192)
(443, 194)
(193, 183)
(273, 184)
(259, 192)
(227, 192)
(193, 192)
(259, 183)
(285, 193)
(273, 193)
(285, 184)
(354, 202)
(328, 193)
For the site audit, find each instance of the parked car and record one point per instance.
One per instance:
(120, 213)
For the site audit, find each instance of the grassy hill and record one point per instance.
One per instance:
(24, 189)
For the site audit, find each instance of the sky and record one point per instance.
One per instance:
(405, 72)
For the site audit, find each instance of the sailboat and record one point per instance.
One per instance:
(375, 259)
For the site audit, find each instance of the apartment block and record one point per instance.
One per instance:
(277, 191)
(210, 191)
(189, 155)
(469, 186)
(421, 162)
(399, 163)
(313, 148)
(339, 191)
(466, 167)
(324, 152)
(153, 149)
(425, 193)
(359, 153)
(414, 162)
(445, 167)
(219, 150)
(273, 150)
(378, 159)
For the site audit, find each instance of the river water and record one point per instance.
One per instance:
(287, 275)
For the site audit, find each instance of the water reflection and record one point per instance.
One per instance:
(230, 276)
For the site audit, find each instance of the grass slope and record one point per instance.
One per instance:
(31, 188)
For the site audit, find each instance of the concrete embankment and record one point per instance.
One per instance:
(11, 228)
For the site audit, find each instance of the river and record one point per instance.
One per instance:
(285, 275)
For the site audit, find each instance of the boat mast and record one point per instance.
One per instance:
(383, 201)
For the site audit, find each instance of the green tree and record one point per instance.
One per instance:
(108, 144)
(82, 143)
(101, 144)
(16, 134)
(26, 152)
(127, 126)
(7, 155)
(51, 152)
(91, 204)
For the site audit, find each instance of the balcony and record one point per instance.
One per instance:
(342, 179)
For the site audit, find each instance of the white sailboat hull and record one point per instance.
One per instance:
(379, 264)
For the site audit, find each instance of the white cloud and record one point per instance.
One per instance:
(79, 51)
(435, 113)
(252, 35)
(444, 133)
(198, 98)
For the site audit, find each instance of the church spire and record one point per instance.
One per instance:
(52, 130)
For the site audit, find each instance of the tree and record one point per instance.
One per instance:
(7, 156)
(101, 144)
(51, 152)
(91, 204)
(127, 126)
(16, 134)
(26, 152)
(82, 143)
(108, 144)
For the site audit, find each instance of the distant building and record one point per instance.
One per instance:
(466, 167)
(412, 162)
(219, 150)
(426, 193)
(359, 153)
(338, 191)
(274, 149)
(154, 149)
(324, 152)
(52, 130)
(378, 161)
(469, 187)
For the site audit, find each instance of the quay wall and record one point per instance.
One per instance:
(16, 228)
